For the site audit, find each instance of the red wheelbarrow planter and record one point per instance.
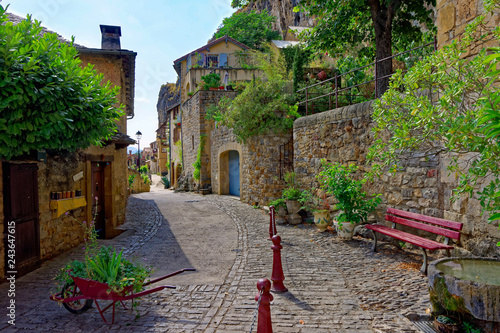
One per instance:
(83, 292)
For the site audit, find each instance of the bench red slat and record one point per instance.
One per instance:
(409, 238)
(422, 226)
(424, 218)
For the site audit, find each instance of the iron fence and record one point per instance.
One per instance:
(338, 90)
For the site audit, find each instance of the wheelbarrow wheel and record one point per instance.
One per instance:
(78, 306)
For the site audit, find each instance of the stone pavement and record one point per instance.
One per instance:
(334, 285)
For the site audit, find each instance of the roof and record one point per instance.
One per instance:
(17, 19)
(225, 38)
(280, 44)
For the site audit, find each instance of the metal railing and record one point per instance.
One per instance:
(343, 94)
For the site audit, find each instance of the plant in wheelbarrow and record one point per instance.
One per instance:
(104, 274)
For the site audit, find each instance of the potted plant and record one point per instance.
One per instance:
(212, 81)
(336, 179)
(229, 86)
(316, 202)
(292, 194)
(280, 209)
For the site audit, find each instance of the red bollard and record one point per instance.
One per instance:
(264, 324)
(277, 276)
(272, 222)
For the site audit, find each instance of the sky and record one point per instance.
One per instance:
(160, 31)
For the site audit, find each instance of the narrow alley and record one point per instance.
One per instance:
(334, 286)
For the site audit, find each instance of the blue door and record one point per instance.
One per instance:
(234, 172)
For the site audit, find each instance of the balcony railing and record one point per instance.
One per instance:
(343, 89)
(222, 60)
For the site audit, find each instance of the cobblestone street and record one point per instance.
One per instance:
(334, 285)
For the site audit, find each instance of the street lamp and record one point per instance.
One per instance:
(138, 135)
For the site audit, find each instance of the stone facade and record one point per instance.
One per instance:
(194, 125)
(260, 180)
(138, 185)
(453, 16)
(424, 186)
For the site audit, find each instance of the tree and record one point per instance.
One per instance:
(447, 104)
(264, 106)
(252, 29)
(362, 24)
(47, 100)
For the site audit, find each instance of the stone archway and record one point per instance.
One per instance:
(225, 153)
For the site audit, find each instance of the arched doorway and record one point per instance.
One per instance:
(234, 172)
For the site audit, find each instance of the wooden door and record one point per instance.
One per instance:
(21, 207)
(234, 172)
(98, 211)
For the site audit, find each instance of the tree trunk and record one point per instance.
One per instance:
(382, 16)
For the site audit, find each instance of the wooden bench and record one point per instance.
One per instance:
(434, 225)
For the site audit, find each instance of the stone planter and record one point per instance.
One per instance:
(346, 230)
(293, 207)
(322, 220)
(467, 287)
(281, 215)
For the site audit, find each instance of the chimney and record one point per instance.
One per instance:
(110, 37)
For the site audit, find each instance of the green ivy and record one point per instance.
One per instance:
(47, 100)
(197, 163)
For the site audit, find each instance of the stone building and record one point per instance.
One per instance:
(45, 226)
(224, 55)
(168, 134)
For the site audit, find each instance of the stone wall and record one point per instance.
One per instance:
(453, 17)
(138, 185)
(259, 165)
(58, 234)
(194, 125)
(424, 186)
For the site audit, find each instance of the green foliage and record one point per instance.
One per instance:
(144, 169)
(450, 105)
(47, 101)
(300, 59)
(315, 200)
(470, 328)
(197, 163)
(289, 56)
(239, 3)
(281, 202)
(211, 80)
(347, 25)
(103, 264)
(292, 189)
(446, 320)
(178, 150)
(252, 29)
(165, 182)
(264, 106)
(338, 180)
(131, 179)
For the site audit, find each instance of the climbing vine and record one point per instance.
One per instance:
(197, 163)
